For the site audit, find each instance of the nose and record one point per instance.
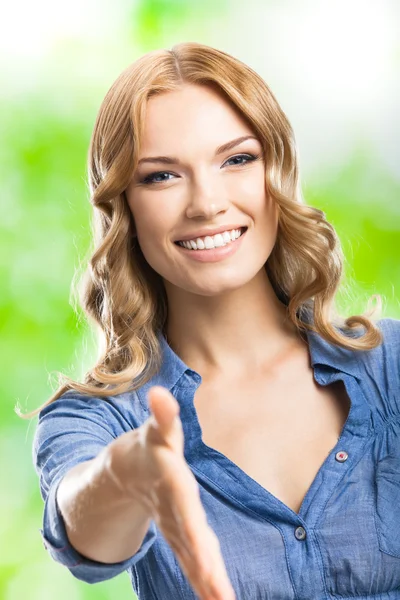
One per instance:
(206, 200)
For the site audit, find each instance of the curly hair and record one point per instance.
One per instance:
(123, 296)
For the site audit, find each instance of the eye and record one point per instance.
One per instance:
(151, 179)
(246, 157)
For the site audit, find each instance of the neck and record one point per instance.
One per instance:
(228, 334)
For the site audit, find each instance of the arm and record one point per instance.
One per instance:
(69, 448)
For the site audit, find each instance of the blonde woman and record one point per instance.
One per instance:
(236, 438)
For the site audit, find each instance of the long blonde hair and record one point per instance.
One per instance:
(122, 295)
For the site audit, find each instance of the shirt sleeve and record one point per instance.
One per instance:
(70, 430)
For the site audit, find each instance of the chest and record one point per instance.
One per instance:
(277, 433)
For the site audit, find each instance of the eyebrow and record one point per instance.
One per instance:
(171, 160)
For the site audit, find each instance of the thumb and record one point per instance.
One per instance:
(165, 409)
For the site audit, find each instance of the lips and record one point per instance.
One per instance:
(242, 228)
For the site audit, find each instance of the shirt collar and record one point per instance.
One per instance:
(171, 371)
(323, 355)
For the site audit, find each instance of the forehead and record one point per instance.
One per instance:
(192, 114)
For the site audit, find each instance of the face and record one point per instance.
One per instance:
(200, 189)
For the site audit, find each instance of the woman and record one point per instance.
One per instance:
(214, 284)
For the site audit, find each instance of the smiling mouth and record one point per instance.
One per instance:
(242, 231)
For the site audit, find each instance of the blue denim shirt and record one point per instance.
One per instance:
(344, 542)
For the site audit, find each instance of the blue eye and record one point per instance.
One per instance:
(246, 157)
(151, 179)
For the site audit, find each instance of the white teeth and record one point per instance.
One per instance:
(209, 242)
(219, 240)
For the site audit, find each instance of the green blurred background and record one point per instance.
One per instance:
(334, 68)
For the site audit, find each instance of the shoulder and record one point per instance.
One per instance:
(390, 328)
(389, 351)
(75, 427)
(108, 416)
(387, 354)
(379, 368)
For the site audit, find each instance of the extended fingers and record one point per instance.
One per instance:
(183, 521)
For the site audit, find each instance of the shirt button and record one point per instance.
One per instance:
(341, 456)
(300, 533)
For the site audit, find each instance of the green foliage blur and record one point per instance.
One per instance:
(48, 113)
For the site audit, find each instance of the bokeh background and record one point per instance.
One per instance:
(335, 69)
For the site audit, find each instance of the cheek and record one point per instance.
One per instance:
(151, 218)
(267, 217)
(154, 225)
(252, 185)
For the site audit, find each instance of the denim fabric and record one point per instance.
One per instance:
(350, 514)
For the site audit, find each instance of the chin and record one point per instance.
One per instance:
(210, 289)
